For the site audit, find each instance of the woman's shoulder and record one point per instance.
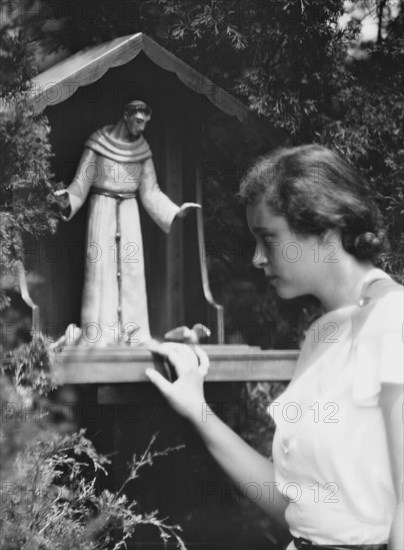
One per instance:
(380, 311)
(383, 302)
(378, 337)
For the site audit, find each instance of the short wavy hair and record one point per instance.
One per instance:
(315, 190)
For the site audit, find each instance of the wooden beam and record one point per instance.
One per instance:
(228, 363)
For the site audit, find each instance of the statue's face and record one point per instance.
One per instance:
(136, 123)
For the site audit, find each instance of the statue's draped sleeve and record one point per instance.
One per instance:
(86, 175)
(162, 209)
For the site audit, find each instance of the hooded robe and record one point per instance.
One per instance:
(115, 173)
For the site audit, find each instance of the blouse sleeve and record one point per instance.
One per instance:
(378, 349)
(162, 209)
(86, 174)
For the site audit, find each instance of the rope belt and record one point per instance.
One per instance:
(119, 197)
(113, 194)
(304, 544)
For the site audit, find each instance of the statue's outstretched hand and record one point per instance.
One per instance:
(62, 198)
(191, 364)
(186, 208)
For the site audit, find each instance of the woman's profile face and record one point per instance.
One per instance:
(293, 264)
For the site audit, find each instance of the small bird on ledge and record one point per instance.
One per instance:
(186, 335)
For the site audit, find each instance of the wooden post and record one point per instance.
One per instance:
(173, 176)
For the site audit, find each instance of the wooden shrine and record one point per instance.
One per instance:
(85, 92)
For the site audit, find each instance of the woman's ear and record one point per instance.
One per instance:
(330, 246)
(333, 246)
(331, 236)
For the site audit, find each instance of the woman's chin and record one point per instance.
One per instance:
(275, 283)
(283, 291)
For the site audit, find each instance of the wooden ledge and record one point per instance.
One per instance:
(117, 364)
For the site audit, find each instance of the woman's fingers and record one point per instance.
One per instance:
(203, 360)
(181, 356)
(191, 364)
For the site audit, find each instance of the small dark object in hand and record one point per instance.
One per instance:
(164, 367)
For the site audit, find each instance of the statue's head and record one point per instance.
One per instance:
(136, 116)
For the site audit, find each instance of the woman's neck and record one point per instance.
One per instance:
(344, 282)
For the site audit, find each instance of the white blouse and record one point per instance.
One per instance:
(330, 448)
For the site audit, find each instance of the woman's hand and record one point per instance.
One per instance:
(191, 364)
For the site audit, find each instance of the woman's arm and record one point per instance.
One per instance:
(391, 401)
(252, 473)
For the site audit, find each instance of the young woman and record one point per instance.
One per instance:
(337, 472)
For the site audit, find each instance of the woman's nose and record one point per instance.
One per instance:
(259, 260)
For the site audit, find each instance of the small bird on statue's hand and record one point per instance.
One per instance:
(71, 336)
(187, 335)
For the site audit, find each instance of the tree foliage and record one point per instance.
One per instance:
(293, 63)
(26, 179)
